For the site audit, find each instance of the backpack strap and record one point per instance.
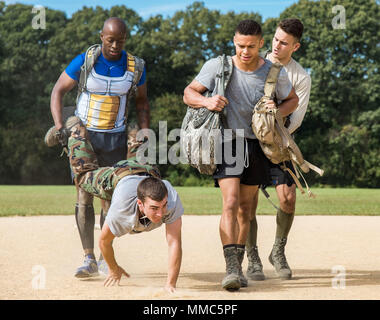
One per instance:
(263, 53)
(92, 54)
(227, 67)
(135, 65)
(289, 142)
(224, 73)
(271, 80)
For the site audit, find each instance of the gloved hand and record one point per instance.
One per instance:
(63, 137)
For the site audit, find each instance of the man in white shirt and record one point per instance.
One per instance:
(244, 90)
(286, 40)
(140, 200)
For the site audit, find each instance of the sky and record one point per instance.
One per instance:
(148, 8)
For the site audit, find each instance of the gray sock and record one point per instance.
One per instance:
(252, 234)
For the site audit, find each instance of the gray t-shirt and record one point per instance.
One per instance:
(243, 92)
(123, 214)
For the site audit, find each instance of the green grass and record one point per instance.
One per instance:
(59, 200)
(328, 201)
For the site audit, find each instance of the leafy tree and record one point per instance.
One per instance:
(344, 66)
(340, 132)
(24, 67)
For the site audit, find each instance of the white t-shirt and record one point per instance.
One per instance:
(301, 83)
(123, 214)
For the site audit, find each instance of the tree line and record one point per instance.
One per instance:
(341, 129)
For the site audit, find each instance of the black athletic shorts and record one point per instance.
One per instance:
(279, 176)
(252, 166)
(109, 147)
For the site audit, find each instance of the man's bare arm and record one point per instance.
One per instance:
(142, 107)
(173, 237)
(63, 85)
(288, 105)
(105, 245)
(194, 98)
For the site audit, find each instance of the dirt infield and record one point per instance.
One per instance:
(38, 257)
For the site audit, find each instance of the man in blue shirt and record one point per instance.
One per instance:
(102, 105)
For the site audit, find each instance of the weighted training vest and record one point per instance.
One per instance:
(102, 101)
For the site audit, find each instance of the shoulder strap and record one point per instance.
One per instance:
(271, 80)
(91, 56)
(264, 53)
(131, 62)
(226, 67)
(135, 65)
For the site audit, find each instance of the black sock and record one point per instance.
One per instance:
(228, 246)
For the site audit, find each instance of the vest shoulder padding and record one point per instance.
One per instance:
(135, 65)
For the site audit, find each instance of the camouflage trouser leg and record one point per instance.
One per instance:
(100, 181)
(97, 181)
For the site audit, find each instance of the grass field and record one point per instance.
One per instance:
(59, 200)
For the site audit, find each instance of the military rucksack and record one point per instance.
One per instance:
(275, 140)
(201, 128)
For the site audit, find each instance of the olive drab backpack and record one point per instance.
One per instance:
(275, 140)
(135, 65)
(201, 128)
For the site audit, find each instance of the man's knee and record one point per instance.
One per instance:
(288, 207)
(288, 201)
(245, 210)
(287, 197)
(230, 205)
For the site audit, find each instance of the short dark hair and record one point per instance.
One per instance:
(248, 28)
(152, 188)
(292, 26)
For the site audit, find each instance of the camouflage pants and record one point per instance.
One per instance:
(100, 181)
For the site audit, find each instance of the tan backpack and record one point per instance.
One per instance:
(275, 140)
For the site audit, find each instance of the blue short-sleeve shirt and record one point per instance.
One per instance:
(103, 67)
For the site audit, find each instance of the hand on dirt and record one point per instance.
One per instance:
(169, 288)
(115, 276)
